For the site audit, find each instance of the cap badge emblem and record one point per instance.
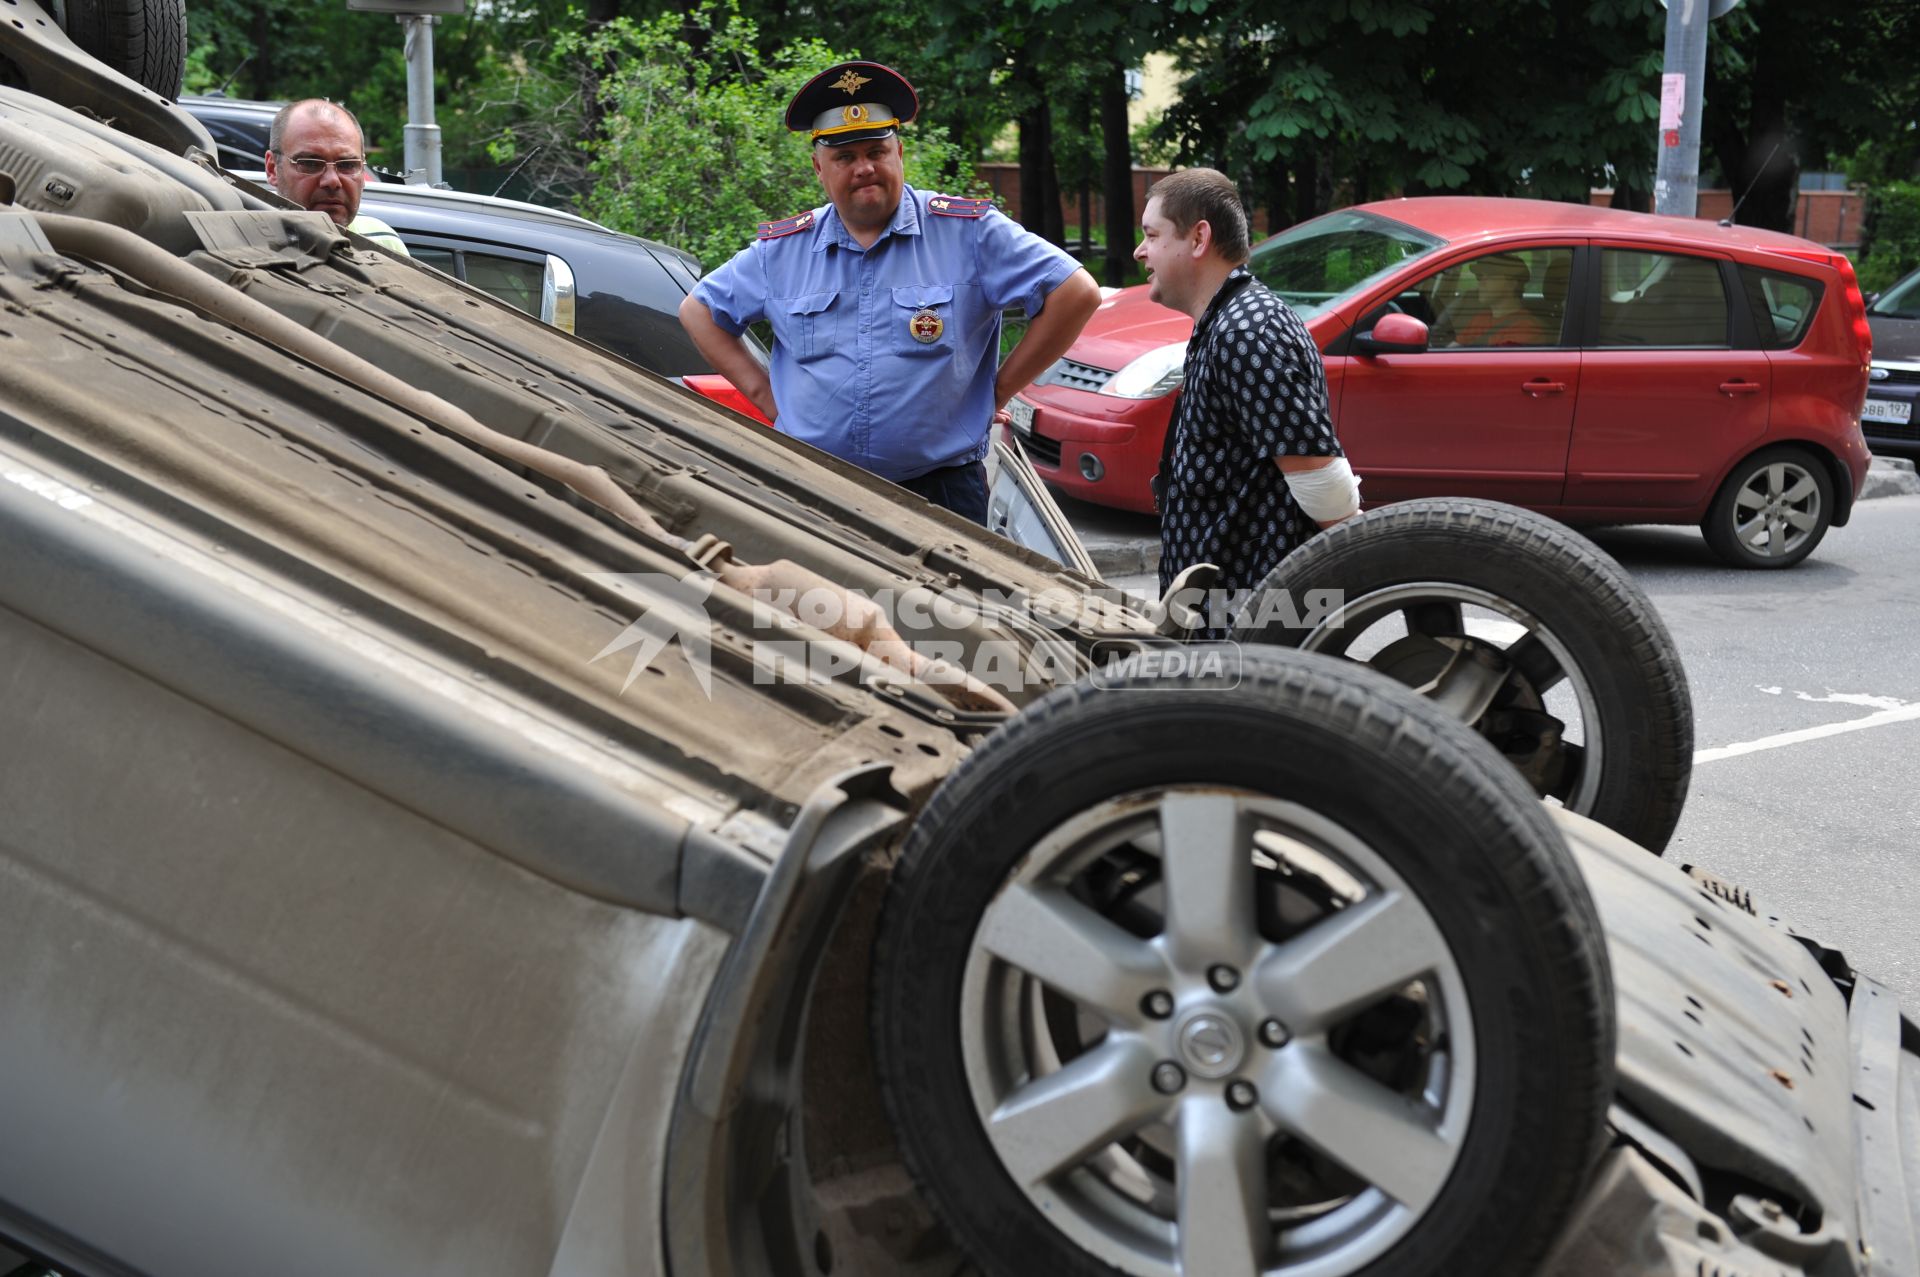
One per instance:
(854, 114)
(926, 327)
(850, 80)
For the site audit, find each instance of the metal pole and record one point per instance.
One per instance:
(1676, 186)
(422, 134)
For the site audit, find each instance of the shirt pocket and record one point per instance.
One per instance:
(805, 325)
(923, 320)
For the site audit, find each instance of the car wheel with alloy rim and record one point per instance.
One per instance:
(1203, 1003)
(1517, 626)
(1772, 510)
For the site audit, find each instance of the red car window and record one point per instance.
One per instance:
(1515, 297)
(1660, 299)
(1782, 305)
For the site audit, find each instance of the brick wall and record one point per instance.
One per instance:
(1005, 181)
(1826, 217)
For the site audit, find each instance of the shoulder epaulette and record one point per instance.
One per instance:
(959, 206)
(786, 226)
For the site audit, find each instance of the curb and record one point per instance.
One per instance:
(1125, 558)
(1890, 477)
(1118, 556)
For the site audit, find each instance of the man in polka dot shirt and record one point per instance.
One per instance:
(1252, 466)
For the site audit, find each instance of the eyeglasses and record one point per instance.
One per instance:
(314, 166)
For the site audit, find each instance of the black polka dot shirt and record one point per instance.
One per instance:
(1255, 389)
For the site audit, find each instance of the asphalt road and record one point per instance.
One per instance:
(1806, 701)
(1806, 698)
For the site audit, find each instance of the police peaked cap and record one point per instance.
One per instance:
(853, 102)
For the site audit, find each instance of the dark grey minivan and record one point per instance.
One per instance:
(1888, 419)
(619, 291)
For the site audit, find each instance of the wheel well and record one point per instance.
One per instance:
(1843, 493)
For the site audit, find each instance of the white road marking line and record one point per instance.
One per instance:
(1862, 699)
(1904, 714)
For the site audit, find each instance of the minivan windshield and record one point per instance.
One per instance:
(1315, 264)
(1902, 301)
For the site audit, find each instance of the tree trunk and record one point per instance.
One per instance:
(1278, 199)
(1116, 175)
(1033, 192)
(599, 13)
(1765, 183)
(261, 69)
(1306, 181)
(1083, 176)
(1056, 222)
(1763, 166)
(1632, 198)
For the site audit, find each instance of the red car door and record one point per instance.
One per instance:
(1487, 409)
(1666, 402)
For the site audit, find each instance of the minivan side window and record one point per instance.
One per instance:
(513, 281)
(1782, 305)
(1660, 300)
(438, 258)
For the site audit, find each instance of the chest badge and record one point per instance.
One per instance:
(926, 327)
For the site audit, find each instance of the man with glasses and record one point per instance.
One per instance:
(317, 157)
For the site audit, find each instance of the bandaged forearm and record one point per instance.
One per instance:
(1327, 494)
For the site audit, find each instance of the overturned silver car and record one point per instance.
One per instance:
(474, 807)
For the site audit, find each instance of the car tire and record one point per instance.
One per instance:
(1585, 622)
(144, 40)
(1051, 1137)
(1774, 508)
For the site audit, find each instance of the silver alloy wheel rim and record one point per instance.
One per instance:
(1352, 619)
(1776, 510)
(1060, 1127)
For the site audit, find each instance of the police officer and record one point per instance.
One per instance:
(885, 303)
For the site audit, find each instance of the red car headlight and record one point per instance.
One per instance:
(1158, 372)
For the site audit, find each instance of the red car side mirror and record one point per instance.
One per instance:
(1395, 334)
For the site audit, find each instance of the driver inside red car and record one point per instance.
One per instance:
(1499, 316)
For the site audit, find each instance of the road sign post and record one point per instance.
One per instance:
(421, 153)
(1676, 184)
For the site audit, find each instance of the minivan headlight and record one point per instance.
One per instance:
(1156, 373)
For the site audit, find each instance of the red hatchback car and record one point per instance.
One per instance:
(1595, 365)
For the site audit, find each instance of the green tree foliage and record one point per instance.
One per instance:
(1307, 105)
(1059, 67)
(691, 149)
(1891, 244)
(1357, 98)
(285, 49)
(1792, 83)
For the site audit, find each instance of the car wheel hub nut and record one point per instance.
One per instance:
(1211, 1045)
(1168, 1077)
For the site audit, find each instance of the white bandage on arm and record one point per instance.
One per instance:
(1326, 494)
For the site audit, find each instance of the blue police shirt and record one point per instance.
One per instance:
(858, 367)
